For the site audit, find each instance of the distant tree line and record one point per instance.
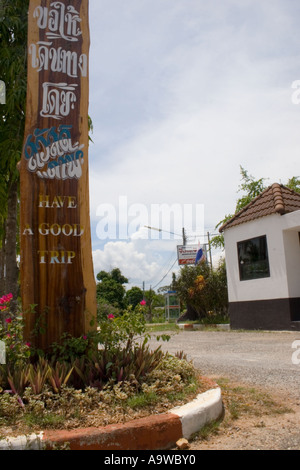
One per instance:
(113, 298)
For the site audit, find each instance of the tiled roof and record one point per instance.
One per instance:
(276, 199)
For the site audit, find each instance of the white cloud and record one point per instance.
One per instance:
(182, 93)
(132, 263)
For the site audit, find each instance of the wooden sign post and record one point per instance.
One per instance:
(56, 256)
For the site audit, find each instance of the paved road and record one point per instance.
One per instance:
(257, 358)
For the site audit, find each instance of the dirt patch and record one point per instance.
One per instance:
(255, 419)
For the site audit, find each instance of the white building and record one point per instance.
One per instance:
(262, 246)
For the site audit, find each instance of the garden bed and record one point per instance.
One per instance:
(109, 376)
(174, 383)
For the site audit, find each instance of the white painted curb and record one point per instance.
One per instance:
(31, 442)
(205, 408)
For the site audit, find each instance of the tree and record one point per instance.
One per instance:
(13, 60)
(111, 288)
(294, 184)
(251, 188)
(134, 296)
(203, 290)
(153, 300)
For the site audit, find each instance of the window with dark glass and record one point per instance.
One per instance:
(253, 258)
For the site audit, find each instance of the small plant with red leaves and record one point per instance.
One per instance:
(11, 334)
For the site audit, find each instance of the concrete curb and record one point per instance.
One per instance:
(31, 442)
(152, 433)
(202, 327)
(207, 407)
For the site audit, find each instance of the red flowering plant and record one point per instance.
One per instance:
(70, 348)
(17, 351)
(116, 331)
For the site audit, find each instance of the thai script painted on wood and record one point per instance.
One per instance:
(50, 153)
(62, 21)
(46, 57)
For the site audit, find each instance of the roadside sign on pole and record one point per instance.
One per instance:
(187, 254)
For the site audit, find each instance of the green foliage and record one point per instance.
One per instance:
(59, 375)
(134, 296)
(13, 72)
(35, 376)
(105, 309)
(123, 353)
(153, 300)
(142, 399)
(17, 379)
(158, 315)
(105, 366)
(251, 188)
(168, 379)
(13, 59)
(11, 334)
(9, 408)
(38, 375)
(116, 366)
(111, 288)
(110, 365)
(125, 328)
(69, 348)
(43, 419)
(115, 275)
(294, 184)
(204, 289)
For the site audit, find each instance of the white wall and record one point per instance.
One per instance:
(273, 287)
(291, 221)
(292, 251)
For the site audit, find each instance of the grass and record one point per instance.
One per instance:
(241, 401)
(152, 328)
(51, 420)
(208, 430)
(142, 399)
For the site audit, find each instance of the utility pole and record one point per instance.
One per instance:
(150, 304)
(183, 237)
(209, 249)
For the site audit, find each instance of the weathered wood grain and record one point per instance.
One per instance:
(56, 255)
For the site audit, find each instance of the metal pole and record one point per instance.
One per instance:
(183, 237)
(209, 248)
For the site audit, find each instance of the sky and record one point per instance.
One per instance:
(183, 93)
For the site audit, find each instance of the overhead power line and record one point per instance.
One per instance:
(165, 274)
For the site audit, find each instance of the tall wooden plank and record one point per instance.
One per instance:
(56, 255)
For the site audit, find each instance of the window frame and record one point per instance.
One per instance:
(263, 275)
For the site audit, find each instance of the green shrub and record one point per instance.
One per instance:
(203, 289)
(113, 365)
(11, 333)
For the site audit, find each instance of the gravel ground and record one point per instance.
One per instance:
(258, 359)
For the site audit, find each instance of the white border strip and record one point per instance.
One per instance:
(30, 442)
(205, 408)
